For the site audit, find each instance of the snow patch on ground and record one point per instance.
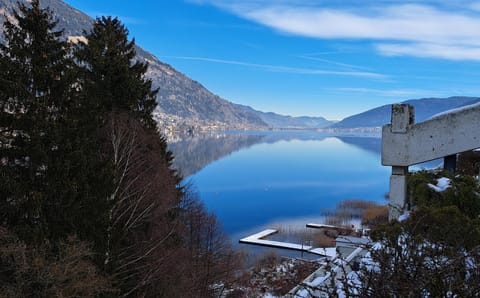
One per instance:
(442, 184)
(455, 110)
(404, 216)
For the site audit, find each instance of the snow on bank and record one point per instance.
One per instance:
(404, 216)
(454, 110)
(442, 184)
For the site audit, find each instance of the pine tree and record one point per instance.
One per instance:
(54, 181)
(34, 97)
(145, 193)
(114, 80)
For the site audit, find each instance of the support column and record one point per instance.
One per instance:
(398, 192)
(450, 163)
(403, 118)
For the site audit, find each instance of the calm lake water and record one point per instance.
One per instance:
(258, 180)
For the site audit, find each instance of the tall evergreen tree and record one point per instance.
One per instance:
(114, 79)
(145, 193)
(34, 97)
(52, 180)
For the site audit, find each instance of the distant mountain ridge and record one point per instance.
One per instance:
(424, 109)
(182, 102)
(274, 120)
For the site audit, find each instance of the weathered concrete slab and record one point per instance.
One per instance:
(451, 133)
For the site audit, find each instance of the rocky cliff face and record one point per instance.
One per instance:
(182, 102)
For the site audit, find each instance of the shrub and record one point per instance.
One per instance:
(468, 163)
(375, 215)
(62, 270)
(462, 193)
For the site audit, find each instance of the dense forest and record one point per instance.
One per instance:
(89, 203)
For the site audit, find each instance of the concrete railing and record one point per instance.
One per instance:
(405, 143)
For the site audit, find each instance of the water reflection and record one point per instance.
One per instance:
(251, 179)
(282, 179)
(374, 144)
(275, 176)
(195, 151)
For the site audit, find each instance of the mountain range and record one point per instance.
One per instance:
(281, 121)
(424, 109)
(182, 102)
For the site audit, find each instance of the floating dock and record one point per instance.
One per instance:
(257, 239)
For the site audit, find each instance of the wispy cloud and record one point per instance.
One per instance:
(446, 32)
(284, 69)
(451, 52)
(124, 19)
(314, 57)
(401, 93)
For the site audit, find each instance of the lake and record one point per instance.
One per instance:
(257, 180)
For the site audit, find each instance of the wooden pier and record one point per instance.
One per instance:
(257, 239)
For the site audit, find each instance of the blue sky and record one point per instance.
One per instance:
(317, 58)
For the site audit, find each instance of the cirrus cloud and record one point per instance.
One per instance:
(284, 69)
(426, 29)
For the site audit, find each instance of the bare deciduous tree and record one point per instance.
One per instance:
(143, 204)
(211, 256)
(64, 270)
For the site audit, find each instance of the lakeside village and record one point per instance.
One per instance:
(175, 128)
(350, 262)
